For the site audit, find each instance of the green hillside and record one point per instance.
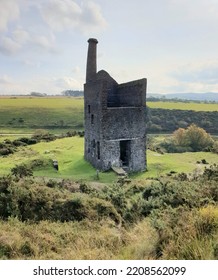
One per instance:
(25, 114)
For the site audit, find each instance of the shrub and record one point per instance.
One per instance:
(30, 201)
(5, 251)
(21, 171)
(28, 141)
(18, 143)
(7, 148)
(215, 147)
(42, 134)
(71, 133)
(81, 133)
(155, 128)
(39, 163)
(194, 137)
(168, 193)
(52, 183)
(6, 151)
(211, 173)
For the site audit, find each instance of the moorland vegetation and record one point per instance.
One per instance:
(170, 215)
(168, 212)
(163, 218)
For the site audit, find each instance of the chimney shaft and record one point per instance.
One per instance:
(91, 67)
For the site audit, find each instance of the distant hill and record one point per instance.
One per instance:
(208, 96)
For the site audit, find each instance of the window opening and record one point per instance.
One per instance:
(98, 150)
(93, 143)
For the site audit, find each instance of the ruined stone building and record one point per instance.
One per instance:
(114, 119)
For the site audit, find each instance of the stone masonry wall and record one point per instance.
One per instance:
(131, 94)
(121, 123)
(114, 119)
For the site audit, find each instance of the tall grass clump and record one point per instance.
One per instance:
(75, 240)
(189, 235)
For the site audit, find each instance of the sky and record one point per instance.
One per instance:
(172, 43)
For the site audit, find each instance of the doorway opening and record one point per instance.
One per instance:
(125, 152)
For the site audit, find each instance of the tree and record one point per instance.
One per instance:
(37, 94)
(75, 93)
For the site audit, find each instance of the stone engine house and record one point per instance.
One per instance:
(115, 132)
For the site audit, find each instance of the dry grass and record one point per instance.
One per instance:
(196, 237)
(75, 240)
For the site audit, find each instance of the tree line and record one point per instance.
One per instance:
(165, 120)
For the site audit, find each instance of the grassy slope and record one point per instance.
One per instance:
(69, 153)
(40, 112)
(61, 113)
(184, 162)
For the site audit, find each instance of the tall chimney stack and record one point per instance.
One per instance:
(91, 67)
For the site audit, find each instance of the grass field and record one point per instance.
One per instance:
(24, 115)
(69, 153)
(184, 106)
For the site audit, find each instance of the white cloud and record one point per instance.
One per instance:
(10, 86)
(76, 70)
(9, 11)
(20, 35)
(20, 38)
(195, 76)
(60, 14)
(67, 83)
(5, 79)
(8, 46)
(201, 72)
(91, 18)
(39, 33)
(196, 9)
(31, 63)
(48, 85)
(177, 76)
(67, 14)
(42, 42)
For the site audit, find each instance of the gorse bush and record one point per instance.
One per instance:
(211, 173)
(7, 148)
(166, 218)
(163, 193)
(21, 171)
(30, 201)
